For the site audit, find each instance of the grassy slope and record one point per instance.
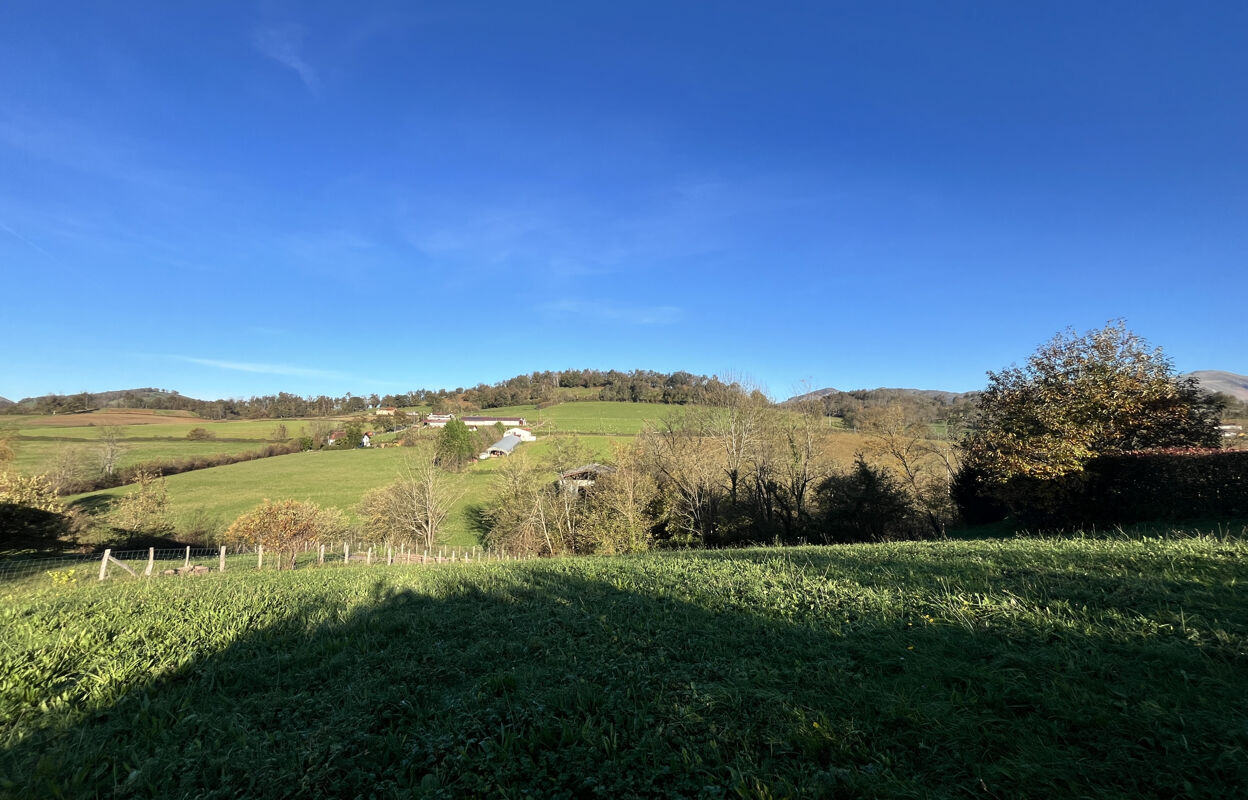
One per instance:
(325, 477)
(339, 479)
(39, 439)
(1022, 669)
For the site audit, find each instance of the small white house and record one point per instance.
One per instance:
(523, 434)
(438, 420)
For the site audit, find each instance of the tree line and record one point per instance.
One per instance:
(539, 388)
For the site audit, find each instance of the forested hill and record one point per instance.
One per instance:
(538, 388)
(928, 405)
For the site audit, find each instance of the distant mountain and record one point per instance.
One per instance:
(4, 401)
(939, 395)
(1213, 380)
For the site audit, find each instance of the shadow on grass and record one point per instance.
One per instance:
(541, 680)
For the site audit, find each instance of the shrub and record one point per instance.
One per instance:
(200, 434)
(1139, 486)
(285, 525)
(867, 504)
(31, 514)
(145, 511)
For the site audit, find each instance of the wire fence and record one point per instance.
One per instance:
(183, 561)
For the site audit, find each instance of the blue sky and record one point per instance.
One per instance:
(233, 198)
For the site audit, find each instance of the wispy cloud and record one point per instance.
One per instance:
(22, 238)
(604, 311)
(284, 44)
(264, 369)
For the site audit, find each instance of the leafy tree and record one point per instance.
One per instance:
(352, 436)
(285, 525)
(145, 511)
(1079, 397)
(455, 446)
(32, 514)
(866, 504)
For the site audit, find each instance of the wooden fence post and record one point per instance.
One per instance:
(321, 558)
(223, 558)
(188, 557)
(425, 558)
(151, 558)
(346, 553)
(389, 556)
(368, 559)
(259, 556)
(104, 564)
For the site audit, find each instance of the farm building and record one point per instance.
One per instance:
(525, 434)
(386, 411)
(503, 447)
(1231, 431)
(479, 422)
(365, 441)
(583, 477)
(438, 420)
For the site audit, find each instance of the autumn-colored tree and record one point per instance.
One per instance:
(1078, 397)
(31, 513)
(144, 511)
(1081, 396)
(284, 526)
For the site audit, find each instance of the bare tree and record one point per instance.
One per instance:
(736, 421)
(791, 464)
(111, 448)
(925, 462)
(689, 467)
(414, 507)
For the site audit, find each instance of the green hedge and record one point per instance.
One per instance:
(1138, 487)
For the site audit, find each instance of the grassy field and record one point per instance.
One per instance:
(590, 416)
(336, 479)
(146, 436)
(1033, 668)
(218, 495)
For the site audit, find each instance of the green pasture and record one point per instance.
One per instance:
(590, 416)
(1023, 668)
(326, 477)
(37, 446)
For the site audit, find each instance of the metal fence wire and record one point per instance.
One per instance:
(183, 561)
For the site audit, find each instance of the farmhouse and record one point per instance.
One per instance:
(524, 434)
(478, 422)
(386, 411)
(577, 480)
(438, 420)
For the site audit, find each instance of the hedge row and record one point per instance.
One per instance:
(174, 466)
(1136, 487)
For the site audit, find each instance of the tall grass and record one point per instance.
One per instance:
(1022, 668)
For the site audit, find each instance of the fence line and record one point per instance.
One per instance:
(162, 562)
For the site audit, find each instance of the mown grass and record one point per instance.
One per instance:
(1020, 668)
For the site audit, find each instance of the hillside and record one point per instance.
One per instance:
(938, 395)
(1229, 383)
(1028, 668)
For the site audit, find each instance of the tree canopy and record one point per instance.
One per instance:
(1081, 396)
